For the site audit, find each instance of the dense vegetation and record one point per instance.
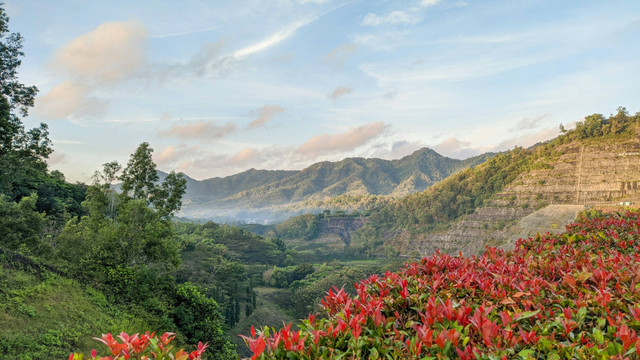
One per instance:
(80, 260)
(463, 192)
(567, 296)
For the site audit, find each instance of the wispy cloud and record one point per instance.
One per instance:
(271, 40)
(340, 91)
(69, 100)
(68, 142)
(427, 3)
(462, 149)
(187, 32)
(528, 123)
(56, 158)
(199, 130)
(393, 18)
(331, 143)
(455, 71)
(265, 114)
(394, 150)
(244, 156)
(410, 16)
(340, 54)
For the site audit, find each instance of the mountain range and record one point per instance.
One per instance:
(265, 196)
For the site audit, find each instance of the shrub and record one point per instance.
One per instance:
(146, 346)
(571, 296)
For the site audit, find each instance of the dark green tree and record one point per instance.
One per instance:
(22, 152)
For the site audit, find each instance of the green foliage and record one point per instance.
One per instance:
(21, 151)
(215, 257)
(199, 319)
(19, 96)
(300, 227)
(140, 175)
(307, 292)
(21, 225)
(597, 125)
(140, 178)
(45, 316)
(549, 298)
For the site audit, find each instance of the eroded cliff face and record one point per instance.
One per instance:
(341, 226)
(546, 199)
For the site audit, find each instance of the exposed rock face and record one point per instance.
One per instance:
(582, 174)
(341, 226)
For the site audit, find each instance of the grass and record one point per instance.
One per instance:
(46, 316)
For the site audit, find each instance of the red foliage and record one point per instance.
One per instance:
(573, 295)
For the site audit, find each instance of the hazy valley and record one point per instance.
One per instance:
(352, 184)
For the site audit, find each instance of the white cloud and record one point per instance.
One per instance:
(166, 156)
(108, 54)
(381, 42)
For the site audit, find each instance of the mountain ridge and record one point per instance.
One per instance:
(252, 191)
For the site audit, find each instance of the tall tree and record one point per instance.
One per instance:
(140, 181)
(140, 176)
(22, 152)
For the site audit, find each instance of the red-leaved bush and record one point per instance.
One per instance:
(142, 347)
(569, 296)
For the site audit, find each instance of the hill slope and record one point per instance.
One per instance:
(550, 298)
(598, 163)
(263, 194)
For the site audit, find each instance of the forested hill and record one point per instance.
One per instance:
(217, 188)
(268, 191)
(595, 164)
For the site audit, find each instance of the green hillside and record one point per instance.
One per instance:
(47, 316)
(217, 188)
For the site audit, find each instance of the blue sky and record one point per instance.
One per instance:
(218, 87)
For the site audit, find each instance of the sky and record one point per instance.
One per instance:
(219, 87)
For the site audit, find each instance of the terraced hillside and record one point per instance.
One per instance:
(582, 174)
